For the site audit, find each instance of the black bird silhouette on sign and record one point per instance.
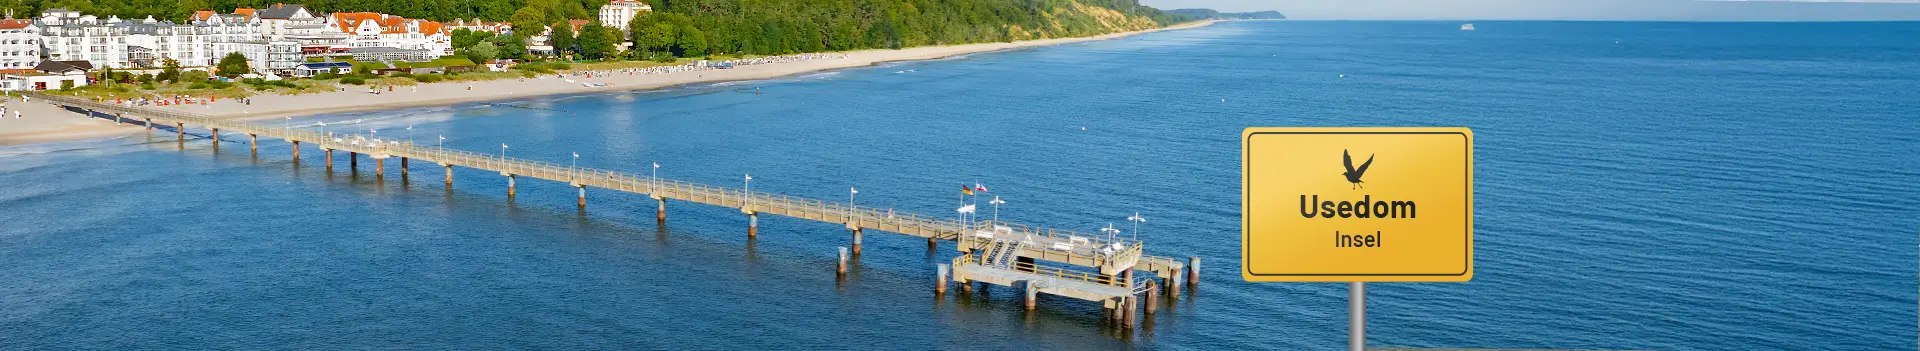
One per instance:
(1353, 174)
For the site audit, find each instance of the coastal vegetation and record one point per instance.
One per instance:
(676, 32)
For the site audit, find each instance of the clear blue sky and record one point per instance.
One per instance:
(1660, 10)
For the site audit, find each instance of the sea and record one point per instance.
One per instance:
(1666, 186)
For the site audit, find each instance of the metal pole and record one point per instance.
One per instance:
(1357, 316)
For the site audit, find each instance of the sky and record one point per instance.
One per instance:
(1629, 10)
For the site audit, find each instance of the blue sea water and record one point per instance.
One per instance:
(1674, 186)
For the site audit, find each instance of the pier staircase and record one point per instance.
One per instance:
(1002, 254)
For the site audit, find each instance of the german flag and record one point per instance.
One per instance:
(964, 189)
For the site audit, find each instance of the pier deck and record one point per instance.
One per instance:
(1110, 258)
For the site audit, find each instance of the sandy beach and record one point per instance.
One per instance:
(45, 123)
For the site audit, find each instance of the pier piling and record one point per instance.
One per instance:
(449, 175)
(510, 187)
(932, 244)
(1032, 294)
(216, 137)
(1153, 297)
(1173, 284)
(329, 159)
(253, 142)
(1193, 270)
(1127, 306)
(403, 168)
(753, 225)
(380, 167)
(296, 151)
(856, 241)
(583, 196)
(180, 131)
(940, 280)
(660, 212)
(843, 261)
(353, 162)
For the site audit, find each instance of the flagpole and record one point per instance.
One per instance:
(996, 207)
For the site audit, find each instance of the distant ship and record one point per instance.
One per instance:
(1466, 27)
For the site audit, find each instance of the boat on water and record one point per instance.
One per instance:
(1466, 27)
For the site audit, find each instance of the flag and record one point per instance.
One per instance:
(853, 190)
(576, 155)
(656, 165)
(503, 145)
(749, 177)
(1137, 218)
(966, 209)
(979, 188)
(966, 190)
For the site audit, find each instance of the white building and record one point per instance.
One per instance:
(48, 75)
(147, 43)
(221, 34)
(292, 22)
(378, 30)
(19, 45)
(619, 12)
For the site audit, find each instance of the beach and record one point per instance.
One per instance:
(44, 123)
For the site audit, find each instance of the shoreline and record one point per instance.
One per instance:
(49, 124)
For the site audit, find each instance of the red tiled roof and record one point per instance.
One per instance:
(350, 20)
(14, 23)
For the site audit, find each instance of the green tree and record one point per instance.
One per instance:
(170, 71)
(233, 65)
(563, 39)
(691, 43)
(82, 6)
(482, 52)
(596, 41)
(19, 7)
(66, 85)
(527, 20)
(463, 38)
(651, 35)
(512, 46)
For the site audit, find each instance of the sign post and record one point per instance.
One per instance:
(1356, 205)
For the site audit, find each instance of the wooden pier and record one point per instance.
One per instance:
(1055, 262)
